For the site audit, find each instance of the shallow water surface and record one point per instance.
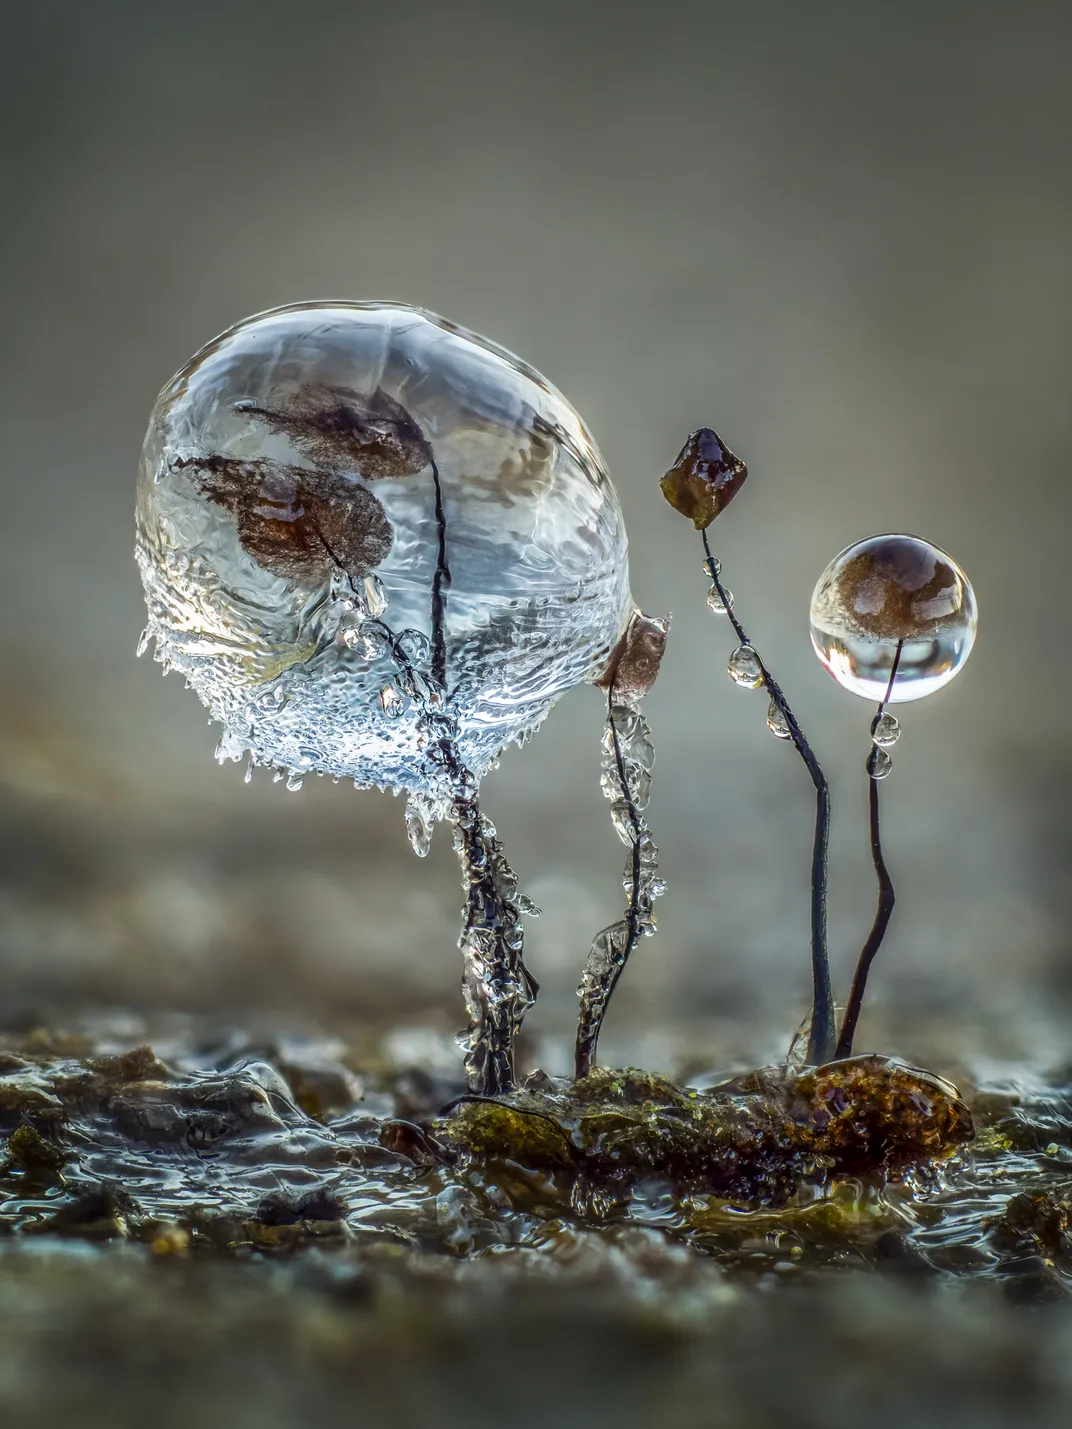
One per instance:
(287, 1231)
(215, 1145)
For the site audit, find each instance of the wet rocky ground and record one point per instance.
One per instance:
(202, 1226)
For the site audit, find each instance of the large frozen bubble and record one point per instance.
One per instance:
(330, 484)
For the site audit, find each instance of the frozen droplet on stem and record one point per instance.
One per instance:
(745, 668)
(777, 722)
(887, 730)
(392, 701)
(414, 647)
(879, 763)
(420, 822)
(375, 595)
(715, 602)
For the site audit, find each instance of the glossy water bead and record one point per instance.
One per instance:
(350, 511)
(885, 591)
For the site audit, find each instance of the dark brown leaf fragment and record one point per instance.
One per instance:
(295, 523)
(369, 433)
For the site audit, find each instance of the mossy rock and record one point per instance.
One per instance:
(755, 1139)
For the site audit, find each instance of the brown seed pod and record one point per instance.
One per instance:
(704, 479)
(634, 662)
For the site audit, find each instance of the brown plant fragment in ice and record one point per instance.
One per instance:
(704, 479)
(634, 662)
(370, 434)
(898, 589)
(755, 1140)
(296, 523)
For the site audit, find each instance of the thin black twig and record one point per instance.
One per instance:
(886, 896)
(440, 581)
(821, 1036)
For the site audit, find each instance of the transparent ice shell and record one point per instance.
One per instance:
(884, 591)
(320, 459)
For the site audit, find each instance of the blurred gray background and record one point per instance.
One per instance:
(838, 233)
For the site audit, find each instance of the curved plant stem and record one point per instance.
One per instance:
(821, 1036)
(886, 896)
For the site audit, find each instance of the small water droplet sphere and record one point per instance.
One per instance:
(777, 722)
(879, 763)
(891, 590)
(744, 669)
(325, 478)
(887, 731)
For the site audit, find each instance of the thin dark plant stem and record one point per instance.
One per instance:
(821, 1036)
(440, 581)
(886, 896)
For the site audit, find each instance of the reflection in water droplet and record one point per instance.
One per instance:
(777, 722)
(879, 763)
(715, 602)
(887, 730)
(744, 668)
(886, 591)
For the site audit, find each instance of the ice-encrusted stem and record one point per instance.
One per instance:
(497, 986)
(628, 758)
